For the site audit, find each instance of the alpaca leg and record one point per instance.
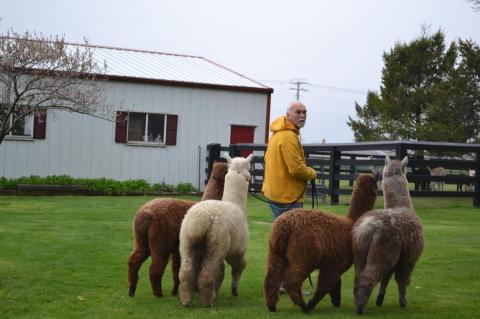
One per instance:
(219, 279)
(207, 277)
(292, 282)
(157, 268)
(402, 276)
(379, 264)
(273, 279)
(190, 261)
(360, 262)
(175, 271)
(135, 261)
(327, 281)
(336, 294)
(383, 288)
(238, 264)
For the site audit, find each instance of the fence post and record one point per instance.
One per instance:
(476, 183)
(335, 155)
(213, 151)
(233, 151)
(352, 171)
(400, 151)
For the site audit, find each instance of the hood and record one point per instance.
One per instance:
(282, 124)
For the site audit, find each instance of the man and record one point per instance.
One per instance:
(286, 173)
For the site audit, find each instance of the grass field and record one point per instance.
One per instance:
(65, 257)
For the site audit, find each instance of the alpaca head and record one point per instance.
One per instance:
(219, 171)
(395, 184)
(367, 184)
(240, 165)
(364, 195)
(395, 167)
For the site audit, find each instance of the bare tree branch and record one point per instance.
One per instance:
(40, 74)
(475, 4)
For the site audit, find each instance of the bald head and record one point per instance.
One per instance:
(296, 114)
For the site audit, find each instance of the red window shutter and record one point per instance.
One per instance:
(40, 126)
(121, 127)
(172, 121)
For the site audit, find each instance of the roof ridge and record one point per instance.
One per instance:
(107, 47)
(133, 50)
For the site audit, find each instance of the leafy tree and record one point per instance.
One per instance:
(428, 92)
(40, 74)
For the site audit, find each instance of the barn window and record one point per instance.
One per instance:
(146, 128)
(22, 127)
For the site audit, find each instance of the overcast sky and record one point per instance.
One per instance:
(335, 46)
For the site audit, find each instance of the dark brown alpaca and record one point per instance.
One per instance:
(303, 240)
(156, 230)
(387, 241)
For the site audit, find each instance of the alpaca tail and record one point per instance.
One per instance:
(141, 225)
(193, 236)
(277, 262)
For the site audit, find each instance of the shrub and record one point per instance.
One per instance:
(103, 185)
(185, 188)
(162, 187)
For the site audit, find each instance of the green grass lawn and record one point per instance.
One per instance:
(66, 257)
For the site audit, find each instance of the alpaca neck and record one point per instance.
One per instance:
(235, 191)
(213, 190)
(360, 203)
(395, 192)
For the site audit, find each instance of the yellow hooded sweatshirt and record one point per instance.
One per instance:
(286, 173)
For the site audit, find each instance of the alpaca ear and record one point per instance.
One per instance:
(376, 173)
(387, 159)
(404, 165)
(229, 159)
(249, 157)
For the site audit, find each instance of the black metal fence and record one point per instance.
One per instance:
(337, 162)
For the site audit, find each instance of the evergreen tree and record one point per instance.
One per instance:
(428, 92)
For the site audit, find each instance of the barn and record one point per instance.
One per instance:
(168, 108)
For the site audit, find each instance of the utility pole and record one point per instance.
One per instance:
(298, 83)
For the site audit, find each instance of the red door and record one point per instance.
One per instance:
(242, 134)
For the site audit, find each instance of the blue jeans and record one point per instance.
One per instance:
(279, 208)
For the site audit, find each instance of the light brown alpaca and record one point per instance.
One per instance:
(303, 240)
(387, 241)
(156, 230)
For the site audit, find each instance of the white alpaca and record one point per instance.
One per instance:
(470, 186)
(212, 232)
(437, 171)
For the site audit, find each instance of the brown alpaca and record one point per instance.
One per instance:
(387, 241)
(303, 240)
(156, 230)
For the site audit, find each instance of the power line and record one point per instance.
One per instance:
(338, 88)
(329, 87)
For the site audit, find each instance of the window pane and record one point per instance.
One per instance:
(19, 128)
(156, 128)
(136, 127)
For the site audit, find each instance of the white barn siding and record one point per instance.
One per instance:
(84, 146)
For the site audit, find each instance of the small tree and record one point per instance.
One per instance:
(40, 74)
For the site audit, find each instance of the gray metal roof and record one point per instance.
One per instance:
(148, 65)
